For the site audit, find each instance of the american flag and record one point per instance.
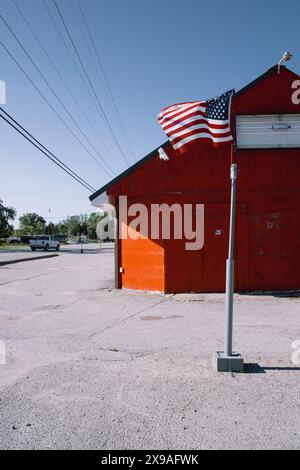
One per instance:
(208, 120)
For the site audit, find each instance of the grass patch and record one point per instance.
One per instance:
(13, 246)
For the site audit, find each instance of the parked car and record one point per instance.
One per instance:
(26, 239)
(60, 238)
(44, 242)
(13, 240)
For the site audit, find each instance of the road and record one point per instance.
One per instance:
(90, 367)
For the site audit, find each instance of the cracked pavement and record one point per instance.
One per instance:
(89, 367)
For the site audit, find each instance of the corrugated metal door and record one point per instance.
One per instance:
(268, 131)
(208, 265)
(274, 248)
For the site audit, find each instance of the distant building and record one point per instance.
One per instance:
(60, 238)
(25, 238)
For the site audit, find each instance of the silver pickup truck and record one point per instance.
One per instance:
(44, 242)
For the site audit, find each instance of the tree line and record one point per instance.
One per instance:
(34, 224)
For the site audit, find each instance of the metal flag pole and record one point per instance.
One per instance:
(228, 361)
(230, 262)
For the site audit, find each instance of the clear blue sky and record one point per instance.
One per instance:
(155, 53)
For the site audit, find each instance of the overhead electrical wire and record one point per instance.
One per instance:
(49, 104)
(87, 45)
(39, 92)
(108, 87)
(60, 75)
(50, 155)
(59, 195)
(78, 71)
(90, 83)
(61, 103)
(70, 55)
(57, 161)
(96, 66)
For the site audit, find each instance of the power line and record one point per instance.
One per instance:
(21, 130)
(78, 70)
(60, 76)
(101, 67)
(49, 104)
(69, 53)
(87, 45)
(96, 66)
(53, 157)
(90, 83)
(45, 148)
(61, 217)
(57, 97)
(67, 196)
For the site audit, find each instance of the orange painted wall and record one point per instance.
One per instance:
(142, 259)
(268, 199)
(143, 262)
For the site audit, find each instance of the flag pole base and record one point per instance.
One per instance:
(223, 363)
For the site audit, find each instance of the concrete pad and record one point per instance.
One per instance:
(90, 367)
(224, 363)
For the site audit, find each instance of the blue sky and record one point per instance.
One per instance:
(155, 53)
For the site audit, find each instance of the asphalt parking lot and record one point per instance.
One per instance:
(89, 367)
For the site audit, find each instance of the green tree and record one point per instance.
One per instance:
(77, 225)
(51, 228)
(92, 222)
(32, 223)
(7, 215)
(62, 228)
(83, 219)
(73, 224)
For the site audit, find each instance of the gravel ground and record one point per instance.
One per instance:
(89, 367)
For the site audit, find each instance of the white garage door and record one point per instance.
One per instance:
(268, 131)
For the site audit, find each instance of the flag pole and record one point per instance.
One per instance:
(230, 260)
(228, 361)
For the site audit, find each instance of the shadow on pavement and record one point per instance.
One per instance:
(253, 369)
(283, 368)
(283, 294)
(86, 251)
(257, 369)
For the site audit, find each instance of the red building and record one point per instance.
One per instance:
(267, 249)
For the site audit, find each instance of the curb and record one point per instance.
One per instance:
(32, 258)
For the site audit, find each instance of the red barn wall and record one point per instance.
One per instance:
(268, 209)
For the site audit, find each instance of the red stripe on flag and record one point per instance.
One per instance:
(200, 131)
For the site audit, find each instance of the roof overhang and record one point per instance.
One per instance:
(97, 197)
(99, 200)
